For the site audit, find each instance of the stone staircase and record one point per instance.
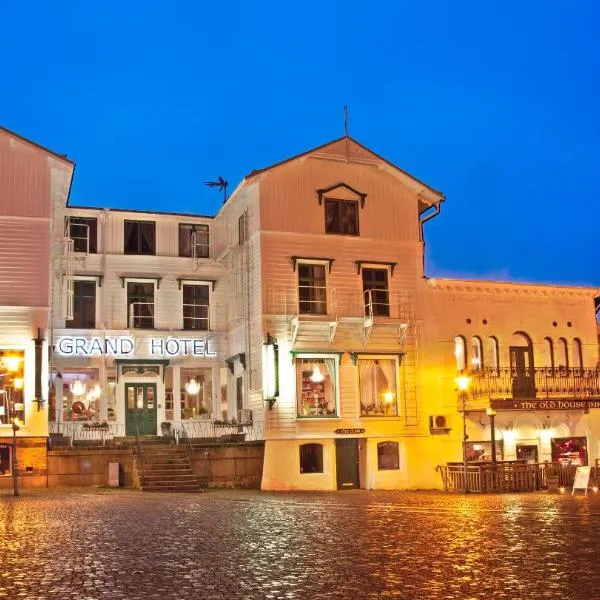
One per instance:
(165, 468)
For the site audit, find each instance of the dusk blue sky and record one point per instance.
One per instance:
(496, 104)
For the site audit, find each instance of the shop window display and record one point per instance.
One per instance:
(316, 386)
(377, 380)
(569, 451)
(196, 394)
(12, 383)
(81, 394)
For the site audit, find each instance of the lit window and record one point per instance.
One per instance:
(312, 289)
(311, 458)
(460, 353)
(316, 385)
(476, 354)
(341, 217)
(196, 393)
(12, 383)
(388, 458)
(81, 395)
(378, 389)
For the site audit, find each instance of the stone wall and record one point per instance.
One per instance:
(227, 465)
(32, 465)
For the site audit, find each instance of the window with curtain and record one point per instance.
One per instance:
(196, 393)
(140, 305)
(341, 217)
(311, 458)
(378, 389)
(316, 386)
(140, 237)
(388, 457)
(82, 395)
(476, 354)
(493, 356)
(193, 240)
(460, 353)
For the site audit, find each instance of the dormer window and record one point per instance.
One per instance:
(341, 216)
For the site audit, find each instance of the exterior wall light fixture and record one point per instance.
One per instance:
(270, 370)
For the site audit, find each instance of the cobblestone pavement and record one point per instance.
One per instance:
(94, 544)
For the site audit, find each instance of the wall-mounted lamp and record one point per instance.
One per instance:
(270, 370)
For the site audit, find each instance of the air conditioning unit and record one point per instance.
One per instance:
(438, 424)
(245, 416)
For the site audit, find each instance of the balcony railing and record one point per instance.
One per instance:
(539, 382)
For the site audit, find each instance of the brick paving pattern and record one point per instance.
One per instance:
(123, 544)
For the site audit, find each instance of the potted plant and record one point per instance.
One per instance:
(165, 429)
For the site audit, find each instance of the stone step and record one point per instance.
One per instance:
(184, 479)
(171, 488)
(166, 473)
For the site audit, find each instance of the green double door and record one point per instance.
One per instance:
(140, 408)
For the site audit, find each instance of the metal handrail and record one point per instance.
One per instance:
(140, 452)
(537, 382)
(187, 444)
(132, 316)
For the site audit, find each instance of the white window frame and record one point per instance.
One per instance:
(309, 355)
(325, 264)
(208, 284)
(127, 280)
(94, 278)
(378, 357)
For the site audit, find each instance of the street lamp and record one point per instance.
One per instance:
(463, 382)
(491, 413)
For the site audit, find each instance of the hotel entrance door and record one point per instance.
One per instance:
(140, 411)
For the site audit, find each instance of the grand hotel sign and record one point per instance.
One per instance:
(124, 346)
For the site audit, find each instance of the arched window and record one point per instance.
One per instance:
(311, 458)
(476, 354)
(577, 354)
(563, 355)
(493, 355)
(460, 352)
(549, 351)
(388, 458)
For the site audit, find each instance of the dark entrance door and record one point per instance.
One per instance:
(346, 459)
(527, 452)
(521, 369)
(140, 412)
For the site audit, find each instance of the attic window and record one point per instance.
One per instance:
(341, 216)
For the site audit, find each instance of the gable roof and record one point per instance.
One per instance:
(358, 146)
(36, 145)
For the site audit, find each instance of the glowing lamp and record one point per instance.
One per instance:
(12, 363)
(562, 490)
(463, 382)
(270, 370)
(78, 388)
(595, 489)
(317, 376)
(95, 392)
(388, 397)
(18, 383)
(192, 387)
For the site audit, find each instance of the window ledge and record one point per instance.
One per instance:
(317, 418)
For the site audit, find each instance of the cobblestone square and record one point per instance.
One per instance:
(94, 544)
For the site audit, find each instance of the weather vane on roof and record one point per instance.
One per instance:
(221, 184)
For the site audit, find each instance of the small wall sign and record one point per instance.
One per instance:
(347, 431)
